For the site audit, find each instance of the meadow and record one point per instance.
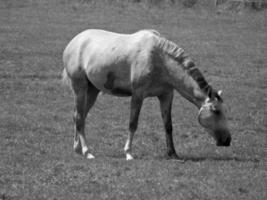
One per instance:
(37, 160)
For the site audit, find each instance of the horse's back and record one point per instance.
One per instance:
(102, 56)
(100, 40)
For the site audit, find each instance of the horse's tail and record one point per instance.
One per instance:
(65, 78)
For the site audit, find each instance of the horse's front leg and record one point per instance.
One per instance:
(165, 107)
(136, 104)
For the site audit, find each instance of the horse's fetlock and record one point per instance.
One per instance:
(132, 126)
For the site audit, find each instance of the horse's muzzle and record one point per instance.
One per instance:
(225, 143)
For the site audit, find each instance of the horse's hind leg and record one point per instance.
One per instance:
(85, 95)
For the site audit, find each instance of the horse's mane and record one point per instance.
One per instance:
(179, 55)
(176, 52)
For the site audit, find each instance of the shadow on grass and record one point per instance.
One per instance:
(185, 158)
(195, 158)
(215, 158)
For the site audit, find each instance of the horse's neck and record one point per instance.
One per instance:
(187, 85)
(184, 76)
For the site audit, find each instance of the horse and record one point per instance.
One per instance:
(138, 65)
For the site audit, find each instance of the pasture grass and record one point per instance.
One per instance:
(36, 128)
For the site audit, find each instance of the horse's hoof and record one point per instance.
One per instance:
(90, 156)
(129, 157)
(87, 154)
(180, 160)
(174, 156)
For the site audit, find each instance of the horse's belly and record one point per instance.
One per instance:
(113, 80)
(108, 65)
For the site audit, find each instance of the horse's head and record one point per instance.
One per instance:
(212, 117)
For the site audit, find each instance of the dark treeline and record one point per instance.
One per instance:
(226, 4)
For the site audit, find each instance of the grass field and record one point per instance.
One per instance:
(36, 129)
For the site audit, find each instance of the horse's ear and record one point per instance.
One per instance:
(218, 96)
(207, 100)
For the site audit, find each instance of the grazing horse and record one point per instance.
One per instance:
(139, 65)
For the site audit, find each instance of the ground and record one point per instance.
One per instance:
(37, 160)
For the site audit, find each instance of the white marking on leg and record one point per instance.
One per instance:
(86, 154)
(84, 149)
(76, 144)
(128, 146)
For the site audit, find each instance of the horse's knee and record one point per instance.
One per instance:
(79, 121)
